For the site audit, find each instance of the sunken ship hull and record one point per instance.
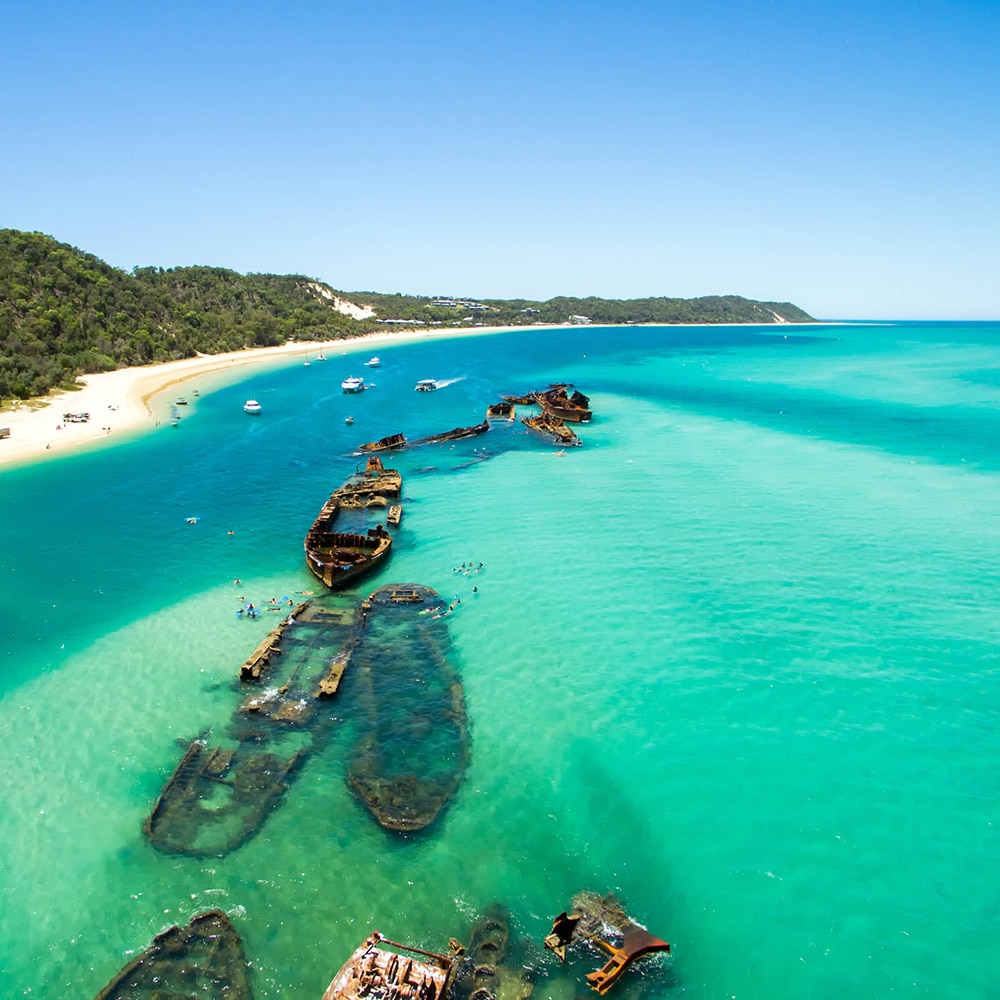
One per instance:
(203, 959)
(217, 799)
(219, 796)
(412, 746)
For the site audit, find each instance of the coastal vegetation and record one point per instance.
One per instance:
(66, 313)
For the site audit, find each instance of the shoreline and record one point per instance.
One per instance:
(128, 401)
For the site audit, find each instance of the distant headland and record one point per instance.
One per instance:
(66, 313)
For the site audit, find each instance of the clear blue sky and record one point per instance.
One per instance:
(841, 154)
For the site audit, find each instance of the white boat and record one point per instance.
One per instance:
(353, 384)
(426, 385)
(374, 361)
(321, 356)
(252, 406)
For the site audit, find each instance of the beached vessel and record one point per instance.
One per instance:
(384, 970)
(412, 742)
(252, 406)
(551, 429)
(337, 557)
(602, 923)
(353, 384)
(203, 959)
(501, 411)
(426, 385)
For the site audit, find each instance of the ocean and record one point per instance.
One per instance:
(735, 660)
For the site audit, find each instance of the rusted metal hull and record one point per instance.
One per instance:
(552, 430)
(384, 970)
(203, 959)
(336, 558)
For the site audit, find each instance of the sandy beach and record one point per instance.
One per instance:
(132, 400)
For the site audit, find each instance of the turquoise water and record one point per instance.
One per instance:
(734, 659)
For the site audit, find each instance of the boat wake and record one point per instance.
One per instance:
(442, 382)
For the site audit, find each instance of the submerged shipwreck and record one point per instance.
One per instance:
(412, 746)
(337, 557)
(487, 970)
(203, 959)
(396, 442)
(601, 923)
(220, 795)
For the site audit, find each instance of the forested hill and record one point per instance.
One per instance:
(65, 313)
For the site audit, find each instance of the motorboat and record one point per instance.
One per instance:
(374, 361)
(353, 384)
(426, 385)
(348, 420)
(252, 406)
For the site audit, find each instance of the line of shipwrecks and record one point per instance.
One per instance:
(226, 785)
(206, 959)
(557, 409)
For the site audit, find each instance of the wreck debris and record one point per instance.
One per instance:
(602, 922)
(203, 959)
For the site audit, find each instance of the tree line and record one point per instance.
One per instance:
(66, 313)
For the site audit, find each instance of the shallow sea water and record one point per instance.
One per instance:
(734, 659)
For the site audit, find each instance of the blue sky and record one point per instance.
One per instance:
(840, 155)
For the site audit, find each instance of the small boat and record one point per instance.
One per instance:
(426, 385)
(394, 516)
(306, 363)
(348, 420)
(182, 401)
(374, 361)
(252, 406)
(321, 356)
(205, 958)
(412, 742)
(380, 969)
(353, 384)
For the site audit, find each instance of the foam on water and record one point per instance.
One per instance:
(734, 659)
